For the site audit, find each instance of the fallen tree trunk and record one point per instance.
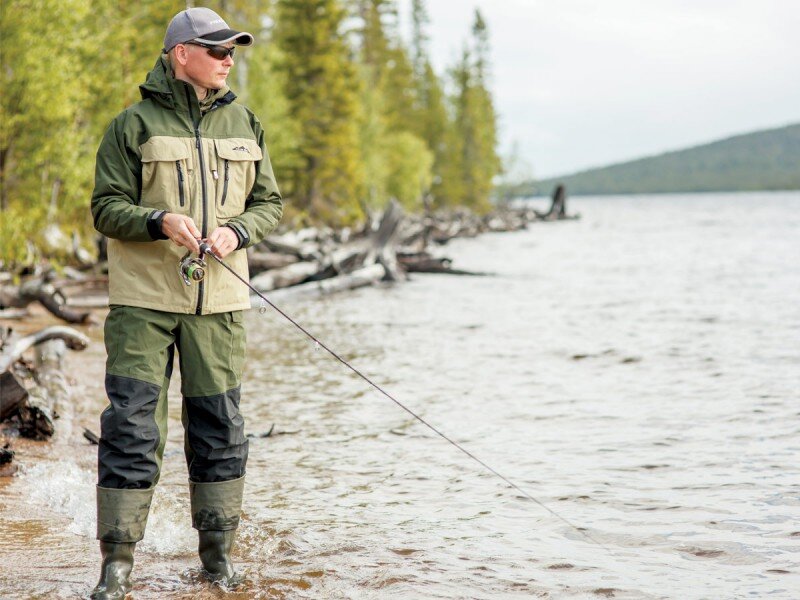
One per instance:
(289, 275)
(13, 350)
(32, 413)
(41, 289)
(558, 206)
(6, 456)
(12, 394)
(363, 277)
(425, 263)
(94, 301)
(263, 261)
(383, 243)
(49, 374)
(52, 299)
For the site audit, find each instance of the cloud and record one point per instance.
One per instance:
(582, 83)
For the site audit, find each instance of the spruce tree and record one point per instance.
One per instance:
(471, 161)
(431, 120)
(397, 161)
(43, 169)
(322, 92)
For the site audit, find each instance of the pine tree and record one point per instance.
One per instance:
(488, 163)
(322, 92)
(397, 162)
(42, 175)
(471, 161)
(431, 119)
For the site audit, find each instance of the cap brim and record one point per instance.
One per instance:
(223, 36)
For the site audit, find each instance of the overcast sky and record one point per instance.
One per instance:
(582, 83)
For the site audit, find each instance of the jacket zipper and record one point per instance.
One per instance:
(225, 184)
(180, 183)
(204, 224)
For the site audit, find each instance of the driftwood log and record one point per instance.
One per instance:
(558, 206)
(12, 395)
(363, 277)
(6, 456)
(13, 349)
(32, 412)
(263, 261)
(43, 290)
(398, 243)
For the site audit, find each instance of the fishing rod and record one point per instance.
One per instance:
(193, 269)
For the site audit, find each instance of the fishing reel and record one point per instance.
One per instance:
(192, 268)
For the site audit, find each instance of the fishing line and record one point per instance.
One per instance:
(205, 248)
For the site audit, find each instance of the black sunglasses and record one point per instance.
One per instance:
(218, 52)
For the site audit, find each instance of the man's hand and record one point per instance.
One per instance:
(182, 231)
(223, 241)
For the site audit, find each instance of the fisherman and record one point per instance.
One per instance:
(186, 164)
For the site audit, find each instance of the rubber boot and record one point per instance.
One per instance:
(215, 514)
(121, 520)
(116, 571)
(215, 554)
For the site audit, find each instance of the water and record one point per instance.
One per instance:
(637, 371)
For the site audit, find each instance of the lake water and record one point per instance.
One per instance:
(637, 371)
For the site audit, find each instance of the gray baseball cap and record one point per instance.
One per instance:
(202, 25)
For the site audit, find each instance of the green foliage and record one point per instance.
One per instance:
(322, 91)
(410, 176)
(42, 95)
(764, 160)
(398, 162)
(470, 162)
(353, 116)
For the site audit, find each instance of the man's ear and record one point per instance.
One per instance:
(180, 55)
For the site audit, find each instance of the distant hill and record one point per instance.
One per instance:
(763, 160)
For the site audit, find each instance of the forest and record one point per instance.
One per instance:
(761, 160)
(354, 111)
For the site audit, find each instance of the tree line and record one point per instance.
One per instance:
(354, 114)
(761, 160)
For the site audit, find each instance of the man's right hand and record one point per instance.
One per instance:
(182, 231)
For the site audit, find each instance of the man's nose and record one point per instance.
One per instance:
(228, 62)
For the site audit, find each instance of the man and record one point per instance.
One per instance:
(184, 164)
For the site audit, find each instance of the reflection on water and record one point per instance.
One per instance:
(636, 371)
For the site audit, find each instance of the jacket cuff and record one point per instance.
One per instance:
(241, 234)
(154, 220)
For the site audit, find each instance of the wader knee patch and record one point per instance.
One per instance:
(215, 434)
(129, 434)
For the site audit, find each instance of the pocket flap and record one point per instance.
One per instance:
(164, 148)
(238, 149)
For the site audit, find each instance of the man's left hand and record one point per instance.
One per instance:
(223, 241)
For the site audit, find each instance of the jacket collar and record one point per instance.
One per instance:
(162, 87)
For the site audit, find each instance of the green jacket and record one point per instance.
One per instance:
(164, 154)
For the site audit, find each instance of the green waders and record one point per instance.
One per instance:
(141, 344)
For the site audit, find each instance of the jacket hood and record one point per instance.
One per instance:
(159, 84)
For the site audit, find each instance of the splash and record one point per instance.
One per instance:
(66, 488)
(69, 490)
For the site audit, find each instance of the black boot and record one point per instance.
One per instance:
(115, 572)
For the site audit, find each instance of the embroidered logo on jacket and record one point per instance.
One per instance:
(241, 149)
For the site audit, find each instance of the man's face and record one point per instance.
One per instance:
(204, 70)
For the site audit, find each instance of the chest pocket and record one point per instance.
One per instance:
(235, 173)
(166, 167)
